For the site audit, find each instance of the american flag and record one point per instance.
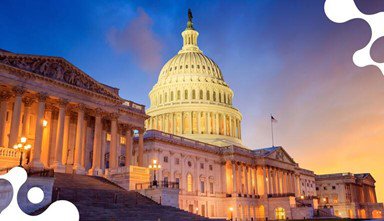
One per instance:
(273, 119)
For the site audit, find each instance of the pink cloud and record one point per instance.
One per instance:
(138, 39)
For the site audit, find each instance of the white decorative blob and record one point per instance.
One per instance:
(59, 210)
(35, 195)
(341, 11)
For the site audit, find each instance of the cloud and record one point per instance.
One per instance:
(139, 41)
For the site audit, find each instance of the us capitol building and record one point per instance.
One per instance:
(74, 124)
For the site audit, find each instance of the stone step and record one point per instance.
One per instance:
(99, 199)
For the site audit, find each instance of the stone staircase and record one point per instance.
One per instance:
(99, 199)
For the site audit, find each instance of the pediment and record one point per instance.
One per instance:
(281, 155)
(57, 69)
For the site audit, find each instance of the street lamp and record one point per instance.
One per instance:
(231, 210)
(22, 146)
(197, 210)
(154, 166)
(45, 123)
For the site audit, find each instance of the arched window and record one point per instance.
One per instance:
(220, 97)
(214, 96)
(201, 94)
(208, 96)
(171, 95)
(185, 94)
(193, 94)
(165, 97)
(161, 100)
(189, 182)
(178, 95)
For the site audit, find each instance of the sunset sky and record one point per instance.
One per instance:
(279, 57)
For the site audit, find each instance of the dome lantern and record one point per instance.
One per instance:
(190, 37)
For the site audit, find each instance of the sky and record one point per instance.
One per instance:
(279, 57)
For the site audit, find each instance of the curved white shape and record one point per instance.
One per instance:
(59, 210)
(35, 195)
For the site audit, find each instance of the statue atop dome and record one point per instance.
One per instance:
(190, 23)
(190, 15)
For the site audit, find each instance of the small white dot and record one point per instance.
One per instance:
(35, 195)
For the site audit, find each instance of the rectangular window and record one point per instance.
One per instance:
(333, 187)
(201, 166)
(210, 167)
(165, 159)
(325, 188)
(122, 140)
(177, 161)
(202, 189)
(177, 180)
(108, 137)
(211, 188)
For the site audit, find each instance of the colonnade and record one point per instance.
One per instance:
(197, 122)
(259, 180)
(47, 147)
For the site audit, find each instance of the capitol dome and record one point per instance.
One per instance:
(191, 98)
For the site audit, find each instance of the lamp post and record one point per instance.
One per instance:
(231, 210)
(154, 166)
(22, 146)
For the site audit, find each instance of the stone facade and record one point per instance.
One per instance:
(350, 195)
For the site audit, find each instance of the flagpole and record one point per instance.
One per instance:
(273, 144)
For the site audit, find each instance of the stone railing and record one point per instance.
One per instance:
(134, 106)
(276, 195)
(157, 184)
(182, 140)
(9, 153)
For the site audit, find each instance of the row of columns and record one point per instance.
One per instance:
(81, 126)
(246, 180)
(199, 122)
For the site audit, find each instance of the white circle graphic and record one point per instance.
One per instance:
(35, 195)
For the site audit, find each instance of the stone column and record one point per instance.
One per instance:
(246, 179)
(36, 160)
(191, 122)
(276, 178)
(217, 123)
(224, 177)
(182, 123)
(67, 121)
(27, 106)
(234, 178)
(96, 170)
(141, 148)
(79, 139)
(208, 119)
(57, 162)
(270, 180)
(265, 181)
(173, 124)
(47, 148)
(256, 180)
(113, 144)
(239, 129)
(128, 146)
(4, 97)
(225, 124)
(198, 122)
(84, 141)
(230, 126)
(15, 123)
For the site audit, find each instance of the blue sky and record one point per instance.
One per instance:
(279, 57)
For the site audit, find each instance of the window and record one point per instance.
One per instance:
(171, 95)
(189, 183)
(214, 96)
(219, 97)
(208, 96)
(201, 166)
(193, 94)
(211, 187)
(333, 187)
(178, 95)
(325, 188)
(201, 94)
(122, 140)
(202, 187)
(317, 188)
(177, 161)
(210, 167)
(165, 159)
(108, 137)
(165, 97)
(189, 163)
(185, 94)
(177, 180)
